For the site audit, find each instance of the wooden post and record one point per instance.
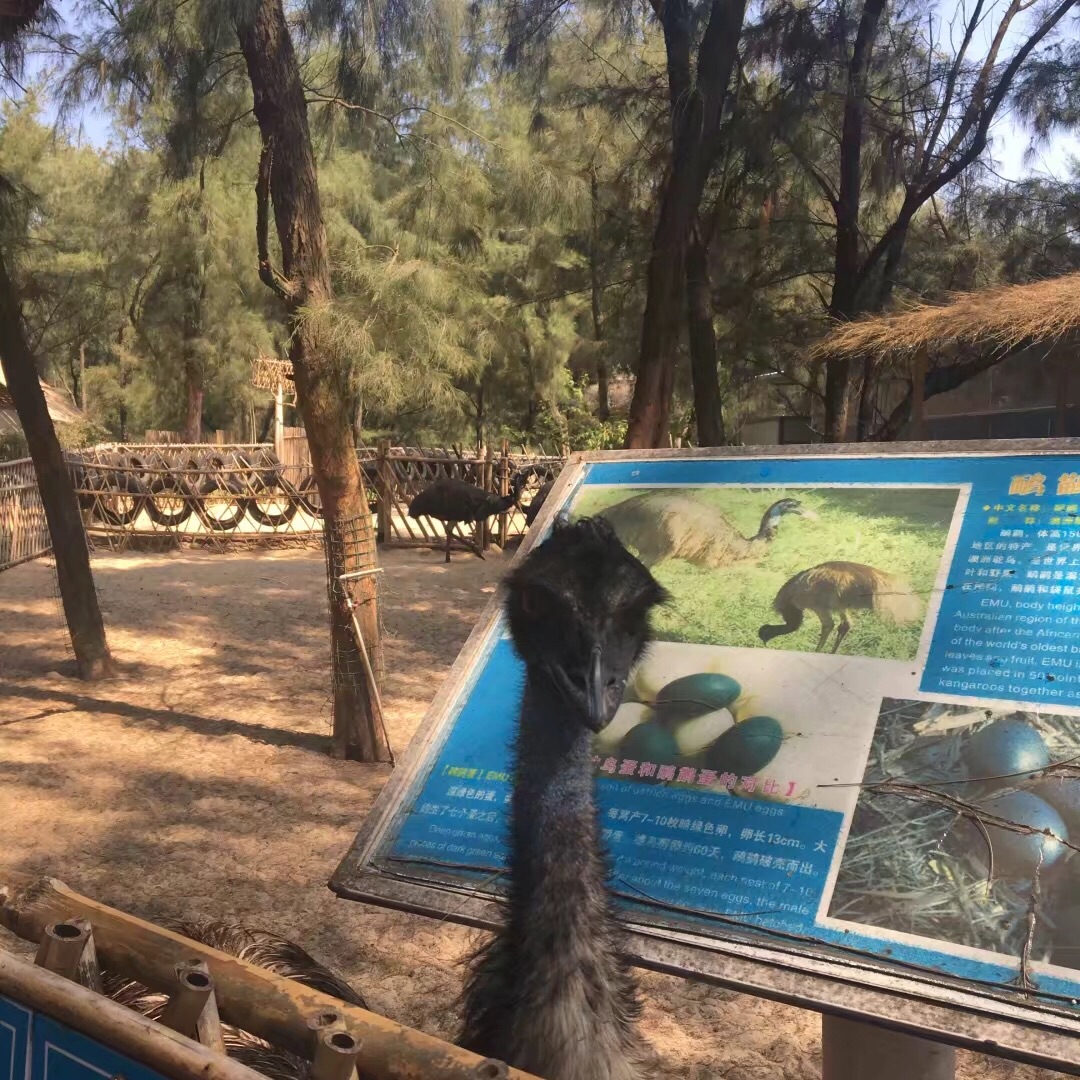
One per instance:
(67, 949)
(504, 490)
(384, 483)
(335, 1055)
(851, 1050)
(1061, 402)
(192, 1008)
(279, 418)
(488, 484)
(918, 395)
(478, 480)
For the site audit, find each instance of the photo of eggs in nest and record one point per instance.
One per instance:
(730, 721)
(967, 825)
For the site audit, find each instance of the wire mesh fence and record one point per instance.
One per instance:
(243, 493)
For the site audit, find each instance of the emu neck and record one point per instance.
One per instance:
(767, 528)
(557, 868)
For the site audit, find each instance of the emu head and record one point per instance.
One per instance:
(579, 609)
(772, 516)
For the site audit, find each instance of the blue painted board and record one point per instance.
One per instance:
(987, 546)
(15, 1025)
(36, 1047)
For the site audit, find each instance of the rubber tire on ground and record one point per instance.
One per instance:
(121, 485)
(171, 489)
(274, 516)
(227, 522)
(309, 496)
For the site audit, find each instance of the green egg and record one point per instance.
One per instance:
(650, 742)
(746, 748)
(694, 695)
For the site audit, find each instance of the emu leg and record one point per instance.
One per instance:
(826, 629)
(842, 632)
(448, 528)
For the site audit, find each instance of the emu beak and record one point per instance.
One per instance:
(595, 698)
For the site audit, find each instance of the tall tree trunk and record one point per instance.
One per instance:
(696, 109)
(287, 174)
(867, 419)
(603, 404)
(650, 407)
(82, 375)
(478, 426)
(708, 409)
(194, 303)
(847, 266)
(193, 413)
(66, 530)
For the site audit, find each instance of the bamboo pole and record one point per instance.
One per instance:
(504, 490)
(335, 1055)
(192, 1008)
(385, 486)
(918, 395)
(249, 997)
(487, 484)
(1061, 395)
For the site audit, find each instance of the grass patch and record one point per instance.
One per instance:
(901, 531)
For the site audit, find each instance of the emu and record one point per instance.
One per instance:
(836, 589)
(259, 947)
(452, 502)
(665, 524)
(552, 993)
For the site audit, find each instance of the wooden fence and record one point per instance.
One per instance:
(219, 493)
(401, 473)
(177, 438)
(24, 533)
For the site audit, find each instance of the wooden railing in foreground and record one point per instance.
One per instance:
(284, 1013)
(119, 1027)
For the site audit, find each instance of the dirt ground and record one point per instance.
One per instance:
(198, 783)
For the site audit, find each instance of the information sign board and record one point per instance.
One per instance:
(848, 771)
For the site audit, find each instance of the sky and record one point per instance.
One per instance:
(1011, 154)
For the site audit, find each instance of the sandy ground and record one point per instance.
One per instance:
(198, 783)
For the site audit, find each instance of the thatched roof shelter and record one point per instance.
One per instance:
(16, 16)
(992, 321)
(60, 407)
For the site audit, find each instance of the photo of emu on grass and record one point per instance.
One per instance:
(863, 562)
(552, 993)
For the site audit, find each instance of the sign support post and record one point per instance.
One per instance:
(852, 1050)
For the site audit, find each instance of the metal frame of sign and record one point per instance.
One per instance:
(999, 1019)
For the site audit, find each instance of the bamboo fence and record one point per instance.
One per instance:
(24, 533)
(236, 493)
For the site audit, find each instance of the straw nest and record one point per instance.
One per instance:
(908, 865)
(999, 318)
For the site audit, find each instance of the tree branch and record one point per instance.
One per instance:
(270, 277)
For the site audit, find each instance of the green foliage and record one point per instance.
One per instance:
(475, 212)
